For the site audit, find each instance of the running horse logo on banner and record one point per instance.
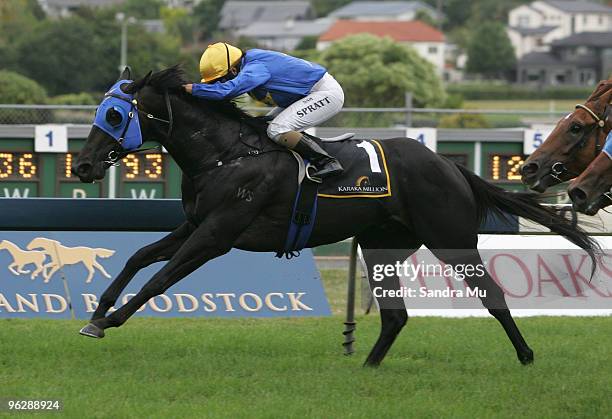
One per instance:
(40, 248)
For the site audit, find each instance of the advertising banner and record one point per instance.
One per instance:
(58, 274)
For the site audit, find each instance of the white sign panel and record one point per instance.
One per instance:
(533, 138)
(51, 139)
(426, 136)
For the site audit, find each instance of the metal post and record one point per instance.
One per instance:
(349, 324)
(124, 21)
(408, 106)
(112, 182)
(477, 157)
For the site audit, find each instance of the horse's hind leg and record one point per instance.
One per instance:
(159, 251)
(491, 295)
(39, 268)
(96, 264)
(384, 247)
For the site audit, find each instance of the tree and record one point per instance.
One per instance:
(307, 42)
(207, 16)
(179, 23)
(324, 7)
(66, 56)
(425, 17)
(376, 72)
(142, 9)
(15, 15)
(17, 89)
(77, 54)
(490, 52)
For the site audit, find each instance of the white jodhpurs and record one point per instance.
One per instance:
(324, 101)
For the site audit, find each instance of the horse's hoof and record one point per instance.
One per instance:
(92, 331)
(526, 358)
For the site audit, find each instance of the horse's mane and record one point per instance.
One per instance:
(173, 78)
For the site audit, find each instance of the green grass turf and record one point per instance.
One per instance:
(282, 368)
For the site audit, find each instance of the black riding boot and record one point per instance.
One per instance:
(325, 164)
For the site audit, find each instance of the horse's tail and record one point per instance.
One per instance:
(491, 198)
(103, 253)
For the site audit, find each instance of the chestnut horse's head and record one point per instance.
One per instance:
(591, 191)
(574, 143)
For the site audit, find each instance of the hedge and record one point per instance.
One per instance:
(495, 91)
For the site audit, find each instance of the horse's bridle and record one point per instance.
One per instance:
(115, 155)
(559, 168)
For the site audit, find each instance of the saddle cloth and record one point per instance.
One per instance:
(365, 170)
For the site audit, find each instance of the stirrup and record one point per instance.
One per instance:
(314, 179)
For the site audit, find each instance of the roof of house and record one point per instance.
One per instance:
(380, 8)
(411, 31)
(539, 58)
(533, 31)
(589, 39)
(238, 14)
(579, 6)
(293, 29)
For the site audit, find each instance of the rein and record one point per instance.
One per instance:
(254, 152)
(558, 168)
(114, 155)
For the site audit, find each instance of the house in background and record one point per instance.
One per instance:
(579, 59)
(240, 14)
(383, 10)
(426, 40)
(283, 36)
(533, 27)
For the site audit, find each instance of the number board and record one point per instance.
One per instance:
(19, 174)
(505, 167)
(68, 185)
(143, 176)
(51, 138)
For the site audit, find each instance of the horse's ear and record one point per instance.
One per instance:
(137, 85)
(126, 74)
(146, 78)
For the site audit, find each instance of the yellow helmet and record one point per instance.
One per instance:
(217, 61)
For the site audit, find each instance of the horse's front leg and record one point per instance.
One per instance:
(208, 241)
(159, 251)
(46, 268)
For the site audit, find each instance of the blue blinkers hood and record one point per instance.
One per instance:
(127, 132)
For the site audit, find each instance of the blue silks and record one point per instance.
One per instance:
(127, 131)
(608, 145)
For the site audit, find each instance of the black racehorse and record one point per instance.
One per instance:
(222, 152)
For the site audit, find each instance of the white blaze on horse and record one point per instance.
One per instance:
(62, 255)
(21, 258)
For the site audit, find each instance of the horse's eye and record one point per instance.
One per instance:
(575, 128)
(113, 117)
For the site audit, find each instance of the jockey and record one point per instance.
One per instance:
(303, 94)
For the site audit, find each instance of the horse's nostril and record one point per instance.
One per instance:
(82, 170)
(577, 195)
(529, 169)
